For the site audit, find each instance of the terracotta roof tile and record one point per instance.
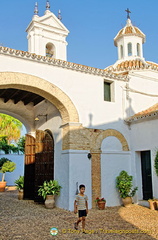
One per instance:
(152, 111)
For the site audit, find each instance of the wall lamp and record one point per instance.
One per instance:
(41, 115)
(89, 155)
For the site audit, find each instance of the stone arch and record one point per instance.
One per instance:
(43, 88)
(114, 133)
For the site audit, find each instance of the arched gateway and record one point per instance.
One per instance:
(39, 149)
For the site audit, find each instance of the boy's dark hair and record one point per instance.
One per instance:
(81, 186)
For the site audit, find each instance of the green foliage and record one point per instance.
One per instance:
(4, 146)
(8, 166)
(156, 163)
(10, 127)
(19, 183)
(9, 148)
(2, 161)
(21, 144)
(124, 185)
(100, 199)
(49, 188)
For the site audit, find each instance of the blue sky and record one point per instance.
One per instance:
(92, 25)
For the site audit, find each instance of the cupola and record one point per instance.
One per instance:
(129, 41)
(47, 34)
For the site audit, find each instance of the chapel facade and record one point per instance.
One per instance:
(78, 134)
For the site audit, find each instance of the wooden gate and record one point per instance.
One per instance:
(42, 164)
(44, 160)
(29, 172)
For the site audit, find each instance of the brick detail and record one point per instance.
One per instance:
(79, 138)
(96, 177)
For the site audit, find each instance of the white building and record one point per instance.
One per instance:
(70, 110)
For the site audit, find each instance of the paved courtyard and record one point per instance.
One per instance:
(26, 220)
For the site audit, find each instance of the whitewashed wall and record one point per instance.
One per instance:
(11, 177)
(144, 137)
(113, 161)
(79, 173)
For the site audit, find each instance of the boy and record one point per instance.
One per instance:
(81, 203)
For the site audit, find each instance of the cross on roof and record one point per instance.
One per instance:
(128, 12)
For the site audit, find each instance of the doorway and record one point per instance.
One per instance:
(146, 175)
(39, 163)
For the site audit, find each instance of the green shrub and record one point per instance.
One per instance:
(49, 188)
(124, 185)
(19, 183)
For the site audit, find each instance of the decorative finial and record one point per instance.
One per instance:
(36, 9)
(128, 12)
(59, 15)
(47, 5)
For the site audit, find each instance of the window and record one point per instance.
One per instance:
(107, 91)
(129, 49)
(138, 49)
(121, 51)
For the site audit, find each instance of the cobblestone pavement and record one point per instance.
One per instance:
(26, 220)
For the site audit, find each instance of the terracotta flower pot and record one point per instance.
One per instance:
(50, 202)
(127, 201)
(101, 205)
(21, 194)
(152, 204)
(2, 186)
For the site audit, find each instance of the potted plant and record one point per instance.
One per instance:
(124, 185)
(100, 203)
(48, 191)
(19, 183)
(6, 165)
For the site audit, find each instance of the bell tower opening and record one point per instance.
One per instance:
(50, 50)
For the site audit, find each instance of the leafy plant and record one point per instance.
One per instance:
(156, 163)
(10, 127)
(49, 188)
(100, 199)
(124, 185)
(21, 144)
(2, 161)
(19, 183)
(9, 148)
(7, 166)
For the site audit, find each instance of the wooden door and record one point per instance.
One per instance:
(29, 169)
(146, 175)
(44, 163)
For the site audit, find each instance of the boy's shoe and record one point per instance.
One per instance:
(84, 232)
(75, 226)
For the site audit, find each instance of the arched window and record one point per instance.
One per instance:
(138, 49)
(121, 51)
(50, 50)
(129, 49)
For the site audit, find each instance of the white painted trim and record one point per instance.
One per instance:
(72, 151)
(117, 152)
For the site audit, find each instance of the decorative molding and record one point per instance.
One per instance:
(134, 119)
(61, 63)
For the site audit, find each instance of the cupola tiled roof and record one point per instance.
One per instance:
(129, 30)
(136, 64)
(150, 112)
